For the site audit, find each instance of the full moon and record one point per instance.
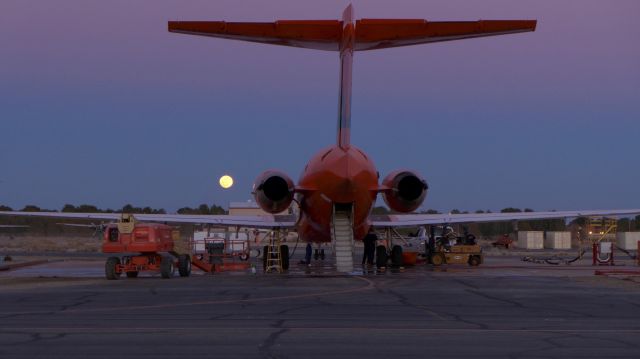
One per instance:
(226, 181)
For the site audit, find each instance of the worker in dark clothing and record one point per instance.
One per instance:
(307, 254)
(369, 247)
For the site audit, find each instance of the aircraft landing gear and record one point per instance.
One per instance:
(381, 256)
(396, 256)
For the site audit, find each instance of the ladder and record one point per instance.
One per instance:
(342, 237)
(274, 256)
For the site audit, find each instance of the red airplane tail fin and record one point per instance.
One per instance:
(347, 36)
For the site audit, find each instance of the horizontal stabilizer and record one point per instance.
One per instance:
(374, 34)
(370, 34)
(311, 34)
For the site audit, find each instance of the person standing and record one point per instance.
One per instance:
(369, 242)
(307, 256)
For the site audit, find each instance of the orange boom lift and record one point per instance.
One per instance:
(150, 240)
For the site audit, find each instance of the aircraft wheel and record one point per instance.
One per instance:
(437, 259)
(110, 268)
(284, 256)
(396, 256)
(132, 274)
(322, 254)
(244, 256)
(166, 267)
(381, 256)
(184, 265)
(474, 261)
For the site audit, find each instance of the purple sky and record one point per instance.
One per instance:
(100, 104)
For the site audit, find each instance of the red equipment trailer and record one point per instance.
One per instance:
(149, 240)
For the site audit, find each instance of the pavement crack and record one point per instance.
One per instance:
(217, 317)
(15, 315)
(85, 299)
(502, 300)
(34, 337)
(267, 346)
(405, 301)
(458, 318)
(466, 284)
(284, 311)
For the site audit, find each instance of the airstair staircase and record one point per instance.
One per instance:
(342, 237)
(274, 255)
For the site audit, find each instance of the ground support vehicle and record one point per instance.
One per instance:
(217, 254)
(153, 243)
(504, 241)
(457, 254)
(445, 246)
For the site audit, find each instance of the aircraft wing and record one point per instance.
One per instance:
(414, 220)
(215, 220)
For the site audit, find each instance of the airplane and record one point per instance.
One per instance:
(338, 187)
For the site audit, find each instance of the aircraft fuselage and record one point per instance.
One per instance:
(336, 176)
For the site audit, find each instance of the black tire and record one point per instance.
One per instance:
(244, 256)
(166, 267)
(110, 270)
(437, 259)
(132, 274)
(322, 254)
(284, 256)
(184, 265)
(381, 256)
(474, 261)
(396, 256)
(265, 256)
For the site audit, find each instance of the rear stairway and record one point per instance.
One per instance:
(342, 237)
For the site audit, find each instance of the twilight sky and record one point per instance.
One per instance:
(99, 104)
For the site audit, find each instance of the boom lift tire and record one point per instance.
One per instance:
(184, 265)
(437, 259)
(396, 256)
(110, 268)
(284, 256)
(381, 256)
(132, 274)
(166, 267)
(474, 261)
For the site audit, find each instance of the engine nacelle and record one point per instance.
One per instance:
(406, 190)
(273, 191)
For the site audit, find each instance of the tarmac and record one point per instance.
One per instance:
(505, 308)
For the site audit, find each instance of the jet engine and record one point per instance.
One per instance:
(405, 191)
(273, 191)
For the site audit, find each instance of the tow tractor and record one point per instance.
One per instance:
(153, 241)
(450, 248)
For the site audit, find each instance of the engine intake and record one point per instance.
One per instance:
(273, 191)
(406, 190)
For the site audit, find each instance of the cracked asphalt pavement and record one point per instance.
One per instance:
(421, 313)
